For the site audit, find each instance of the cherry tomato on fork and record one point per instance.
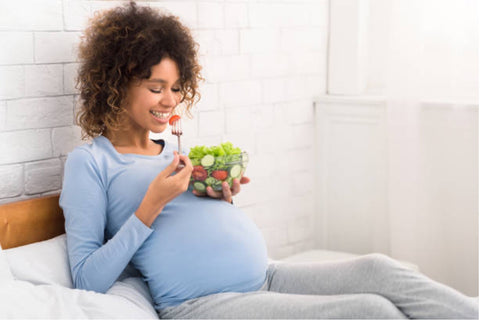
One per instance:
(173, 119)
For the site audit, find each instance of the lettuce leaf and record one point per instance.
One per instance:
(198, 152)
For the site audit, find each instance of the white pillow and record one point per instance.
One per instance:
(23, 300)
(43, 262)
(5, 273)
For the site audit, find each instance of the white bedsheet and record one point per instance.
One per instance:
(24, 300)
(35, 283)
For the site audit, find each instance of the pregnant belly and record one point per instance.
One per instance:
(195, 251)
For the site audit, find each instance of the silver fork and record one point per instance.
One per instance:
(177, 131)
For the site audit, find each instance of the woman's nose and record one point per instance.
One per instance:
(168, 99)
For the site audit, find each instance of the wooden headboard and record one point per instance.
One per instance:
(30, 221)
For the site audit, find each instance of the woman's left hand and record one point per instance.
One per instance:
(226, 193)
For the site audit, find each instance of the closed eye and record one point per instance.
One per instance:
(159, 91)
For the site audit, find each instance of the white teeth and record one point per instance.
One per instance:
(160, 115)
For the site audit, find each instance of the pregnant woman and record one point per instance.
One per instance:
(126, 202)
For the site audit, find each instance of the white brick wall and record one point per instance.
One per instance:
(43, 80)
(3, 113)
(31, 15)
(12, 180)
(39, 112)
(63, 42)
(20, 45)
(264, 62)
(43, 176)
(12, 82)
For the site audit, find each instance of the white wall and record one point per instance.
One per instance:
(264, 61)
(398, 172)
(432, 92)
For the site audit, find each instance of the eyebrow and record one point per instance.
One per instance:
(157, 80)
(162, 81)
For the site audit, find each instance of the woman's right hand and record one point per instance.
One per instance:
(164, 188)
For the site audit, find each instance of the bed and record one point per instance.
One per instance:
(35, 280)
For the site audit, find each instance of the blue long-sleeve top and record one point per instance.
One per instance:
(197, 245)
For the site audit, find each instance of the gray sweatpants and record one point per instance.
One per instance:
(373, 286)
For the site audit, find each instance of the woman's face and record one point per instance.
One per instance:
(151, 102)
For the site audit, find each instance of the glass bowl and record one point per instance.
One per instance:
(213, 171)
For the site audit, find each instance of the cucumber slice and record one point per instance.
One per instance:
(199, 186)
(207, 160)
(210, 181)
(217, 186)
(244, 159)
(236, 171)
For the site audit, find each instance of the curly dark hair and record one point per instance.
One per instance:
(121, 45)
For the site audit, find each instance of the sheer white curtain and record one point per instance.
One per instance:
(432, 93)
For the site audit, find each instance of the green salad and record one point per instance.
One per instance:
(216, 164)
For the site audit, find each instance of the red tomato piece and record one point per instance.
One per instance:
(199, 173)
(173, 119)
(220, 175)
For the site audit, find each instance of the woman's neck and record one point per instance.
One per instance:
(127, 143)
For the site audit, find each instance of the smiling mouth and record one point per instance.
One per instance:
(160, 114)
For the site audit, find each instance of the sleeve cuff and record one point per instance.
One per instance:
(139, 231)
